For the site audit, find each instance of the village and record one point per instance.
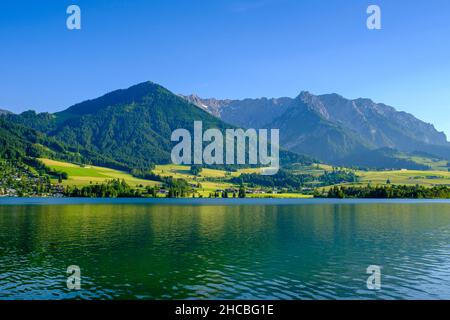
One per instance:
(19, 181)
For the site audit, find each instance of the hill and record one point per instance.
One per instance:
(125, 129)
(84, 175)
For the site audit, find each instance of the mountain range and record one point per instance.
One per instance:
(124, 129)
(131, 128)
(332, 128)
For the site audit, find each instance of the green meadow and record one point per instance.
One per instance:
(210, 180)
(405, 177)
(83, 175)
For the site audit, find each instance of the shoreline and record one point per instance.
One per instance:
(209, 201)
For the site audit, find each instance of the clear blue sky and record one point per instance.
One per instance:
(228, 49)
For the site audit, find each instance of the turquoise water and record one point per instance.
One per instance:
(224, 249)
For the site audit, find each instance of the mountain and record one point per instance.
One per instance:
(209, 105)
(126, 129)
(247, 113)
(331, 127)
(381, 125)
(4, 112)
(17, 141)
(131, 128)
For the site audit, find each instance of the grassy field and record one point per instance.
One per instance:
(406, 177)
(208, 186)
(211, 180)
(434, 163)
(183, 172)
(401, 177)
(280, 196)
(438, 175)
(79, 175)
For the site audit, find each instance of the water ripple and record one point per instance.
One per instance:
(289, 251)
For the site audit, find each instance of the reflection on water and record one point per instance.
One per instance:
(158, 251)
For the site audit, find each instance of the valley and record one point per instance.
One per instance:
(120, 144)
(213, 182)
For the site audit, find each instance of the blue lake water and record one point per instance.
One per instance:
(224, 249)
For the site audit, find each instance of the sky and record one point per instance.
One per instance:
(228, 49)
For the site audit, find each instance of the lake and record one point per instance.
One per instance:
(224, 249)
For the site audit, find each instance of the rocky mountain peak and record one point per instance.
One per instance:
(4, 112)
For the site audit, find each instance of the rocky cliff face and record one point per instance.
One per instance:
(330, 126)
(3, 111)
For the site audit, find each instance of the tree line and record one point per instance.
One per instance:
(387, 192)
